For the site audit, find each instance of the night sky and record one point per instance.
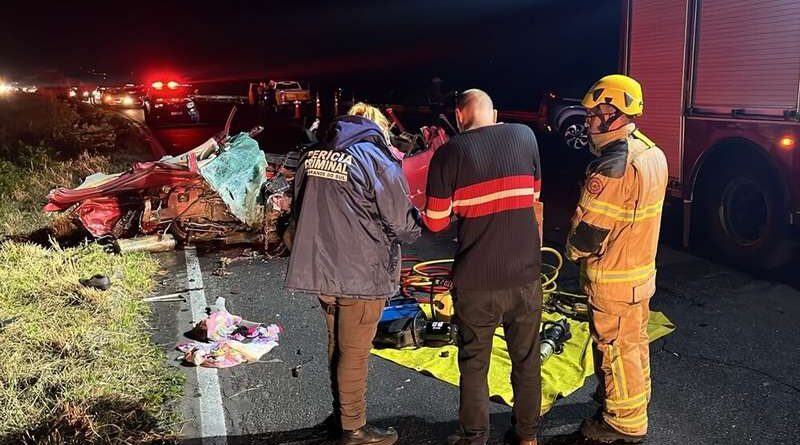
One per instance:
(515, 49)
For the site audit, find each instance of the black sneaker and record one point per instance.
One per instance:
(369, 435)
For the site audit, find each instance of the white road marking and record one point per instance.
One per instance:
(212, 414)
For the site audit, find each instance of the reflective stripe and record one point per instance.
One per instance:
(629, 403)
(621, 365)
(621, 214)
(649, 212)
(616, 362)
(639, 135)
(604, 204)
(607, 209)
(602, 276)
(628, 423)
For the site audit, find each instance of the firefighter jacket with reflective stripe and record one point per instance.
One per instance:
(616, 225)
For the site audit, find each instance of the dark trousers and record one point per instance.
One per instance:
(478, 313)
(352, 324)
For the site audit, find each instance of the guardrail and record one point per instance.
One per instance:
(221, 99)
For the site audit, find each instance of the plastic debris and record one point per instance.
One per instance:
(229, 340)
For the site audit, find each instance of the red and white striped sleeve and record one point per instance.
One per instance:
(439, 204)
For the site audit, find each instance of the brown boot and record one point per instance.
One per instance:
(511, 438)
(599, 431)
(369, 435)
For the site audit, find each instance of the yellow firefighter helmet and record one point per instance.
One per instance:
(621, 92)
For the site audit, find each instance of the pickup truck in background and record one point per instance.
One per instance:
(288, 92)
(564, 117)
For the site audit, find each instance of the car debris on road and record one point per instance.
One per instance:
(150, 243)
(225, 190)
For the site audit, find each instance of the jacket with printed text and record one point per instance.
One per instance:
(352, 213)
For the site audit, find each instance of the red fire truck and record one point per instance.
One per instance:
(721, 83)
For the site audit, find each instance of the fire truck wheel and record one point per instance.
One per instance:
(745, 219)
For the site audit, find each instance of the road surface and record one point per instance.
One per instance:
(729, 374)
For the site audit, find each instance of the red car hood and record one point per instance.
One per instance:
(143, 175)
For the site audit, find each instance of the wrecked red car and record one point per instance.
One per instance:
(225, 190)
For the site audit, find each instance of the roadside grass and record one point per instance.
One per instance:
(78, 365)
(44, 144)
(24, 189)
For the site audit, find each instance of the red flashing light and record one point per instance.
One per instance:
(158, 85)
(172, 84)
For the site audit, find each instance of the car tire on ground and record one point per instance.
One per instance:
(742, 218)
(573, 133)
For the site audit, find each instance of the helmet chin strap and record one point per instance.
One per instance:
(606, 124)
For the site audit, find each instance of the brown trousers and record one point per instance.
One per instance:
(352, 324)
(622, 361)
(478, 314)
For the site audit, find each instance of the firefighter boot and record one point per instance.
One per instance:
(369, 435)
(599, 431)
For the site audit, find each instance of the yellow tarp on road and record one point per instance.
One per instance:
(561, 374)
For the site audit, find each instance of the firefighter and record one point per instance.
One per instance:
(614, 237)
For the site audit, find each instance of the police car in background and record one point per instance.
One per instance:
(170, 102)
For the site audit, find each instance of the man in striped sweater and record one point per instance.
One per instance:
(489, 177)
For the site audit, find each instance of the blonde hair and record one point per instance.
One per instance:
(372, 113)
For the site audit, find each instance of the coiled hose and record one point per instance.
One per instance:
(419, 281)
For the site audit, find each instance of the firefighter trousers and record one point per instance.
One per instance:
(622, 361)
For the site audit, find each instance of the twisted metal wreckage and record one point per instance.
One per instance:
(225, 190)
